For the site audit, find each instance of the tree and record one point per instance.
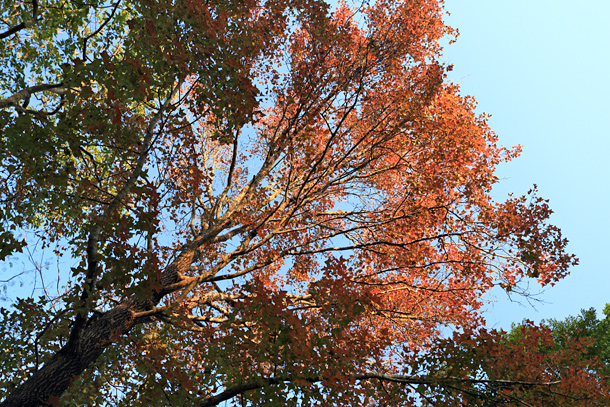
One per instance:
(268, 202)
(585, 330)
(572, 353)
(506, 369)
(585, 327)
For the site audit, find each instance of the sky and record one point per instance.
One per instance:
(541, 69)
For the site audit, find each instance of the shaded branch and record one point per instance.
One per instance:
(100, 28)
(94, 236)
(233, 391)
(24, 24)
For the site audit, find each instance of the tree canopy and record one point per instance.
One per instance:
(578, 344)
(264, 202)
(586, 328)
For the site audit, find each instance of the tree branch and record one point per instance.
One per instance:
(25, 94)
(23, 25)
(94, 236)
(100, 28)
(233, 391)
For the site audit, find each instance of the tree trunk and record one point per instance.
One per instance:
(45, 385)
(55, 376)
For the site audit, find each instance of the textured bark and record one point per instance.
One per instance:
(72, 360)
(86, 346)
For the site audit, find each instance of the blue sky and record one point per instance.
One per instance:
(541, 69)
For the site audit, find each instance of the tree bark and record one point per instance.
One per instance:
(83, 348)
(56, 375)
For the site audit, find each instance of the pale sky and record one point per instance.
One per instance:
(541, 68)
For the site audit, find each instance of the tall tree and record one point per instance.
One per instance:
(268, 202)
(585, 326)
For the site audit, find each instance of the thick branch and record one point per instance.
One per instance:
(83, 349)
(59, 371)
(25, 94)
(236, 390)
(23, 25)
(92, 242)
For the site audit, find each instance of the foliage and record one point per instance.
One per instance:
(268, 202)
(585, 328)
(572, 354)
(586, 325)
(506, 369)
